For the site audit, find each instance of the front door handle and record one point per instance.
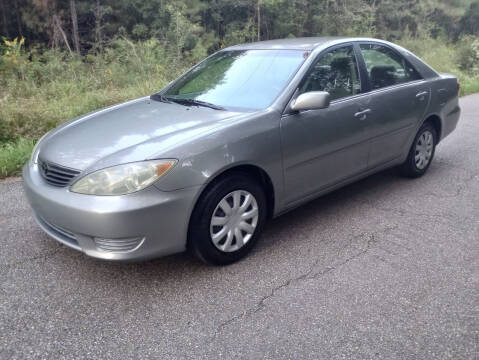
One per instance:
(361, 115)
(421, 95)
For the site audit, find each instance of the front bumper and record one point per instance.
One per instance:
(146, 224)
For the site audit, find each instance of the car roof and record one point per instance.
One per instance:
(312, 43)
(304, 43)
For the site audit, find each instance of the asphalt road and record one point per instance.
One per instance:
(387, 268)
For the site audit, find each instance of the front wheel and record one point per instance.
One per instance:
(421, 152)
(227, 220)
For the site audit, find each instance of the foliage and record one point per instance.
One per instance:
(446, 57)
(206, 24)
(468, 58)
(131, 48)
(469, 23)
(12, 58)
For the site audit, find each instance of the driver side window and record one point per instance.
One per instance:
(335, 72)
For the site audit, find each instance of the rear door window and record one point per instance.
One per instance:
(386, 67)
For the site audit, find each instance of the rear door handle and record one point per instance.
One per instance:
(361, 115)
(421, 94)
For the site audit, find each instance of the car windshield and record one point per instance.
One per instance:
(243, 79)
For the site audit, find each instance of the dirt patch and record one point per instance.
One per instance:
(11, 179)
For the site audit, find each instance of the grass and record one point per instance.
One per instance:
(39, 91)
(14, 155)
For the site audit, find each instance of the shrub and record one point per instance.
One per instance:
(468, 55)
(447, 57)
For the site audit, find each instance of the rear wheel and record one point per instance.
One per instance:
(421, 152)
(227, 220)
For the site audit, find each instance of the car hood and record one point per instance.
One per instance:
(132, 131)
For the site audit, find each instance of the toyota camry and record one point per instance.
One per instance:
(247, 134)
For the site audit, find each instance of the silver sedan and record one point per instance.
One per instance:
(249, 133)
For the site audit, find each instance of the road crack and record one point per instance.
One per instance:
(310, 274)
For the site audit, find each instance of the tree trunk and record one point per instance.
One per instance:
(4, 19)
(259, 19)
(76, 37)
(98, 16)
(19, 22)
(58, 27)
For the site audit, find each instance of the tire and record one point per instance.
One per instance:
(418, 161)
(218, 241)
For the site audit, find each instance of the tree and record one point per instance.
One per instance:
(469, 23)
(76, 37)
(258, 12)
(98, 26)
(17, 15)
(59, 33)
(85, 25)
(4, 19)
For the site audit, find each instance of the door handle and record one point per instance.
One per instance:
(421, 94)
(361, 115)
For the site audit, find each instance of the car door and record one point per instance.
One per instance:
(325, 146)
(399, 98)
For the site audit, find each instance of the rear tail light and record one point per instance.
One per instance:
(458, 86)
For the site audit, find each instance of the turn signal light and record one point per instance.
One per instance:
(163, 168)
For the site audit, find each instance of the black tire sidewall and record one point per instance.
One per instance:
(199, 239)
(410, 166)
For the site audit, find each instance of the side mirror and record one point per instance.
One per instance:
(311, 100)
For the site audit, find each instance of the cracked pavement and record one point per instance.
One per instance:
(387, 268)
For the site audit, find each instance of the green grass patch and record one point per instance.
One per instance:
(14, 155)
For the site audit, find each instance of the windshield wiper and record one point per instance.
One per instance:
(197, 103)
(159, 97)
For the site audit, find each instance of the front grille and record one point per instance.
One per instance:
(56, 175)
(118, 245)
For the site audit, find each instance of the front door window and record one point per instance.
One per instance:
(335, 72)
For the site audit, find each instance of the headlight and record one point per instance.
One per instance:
(123, 179)
(34, 157)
